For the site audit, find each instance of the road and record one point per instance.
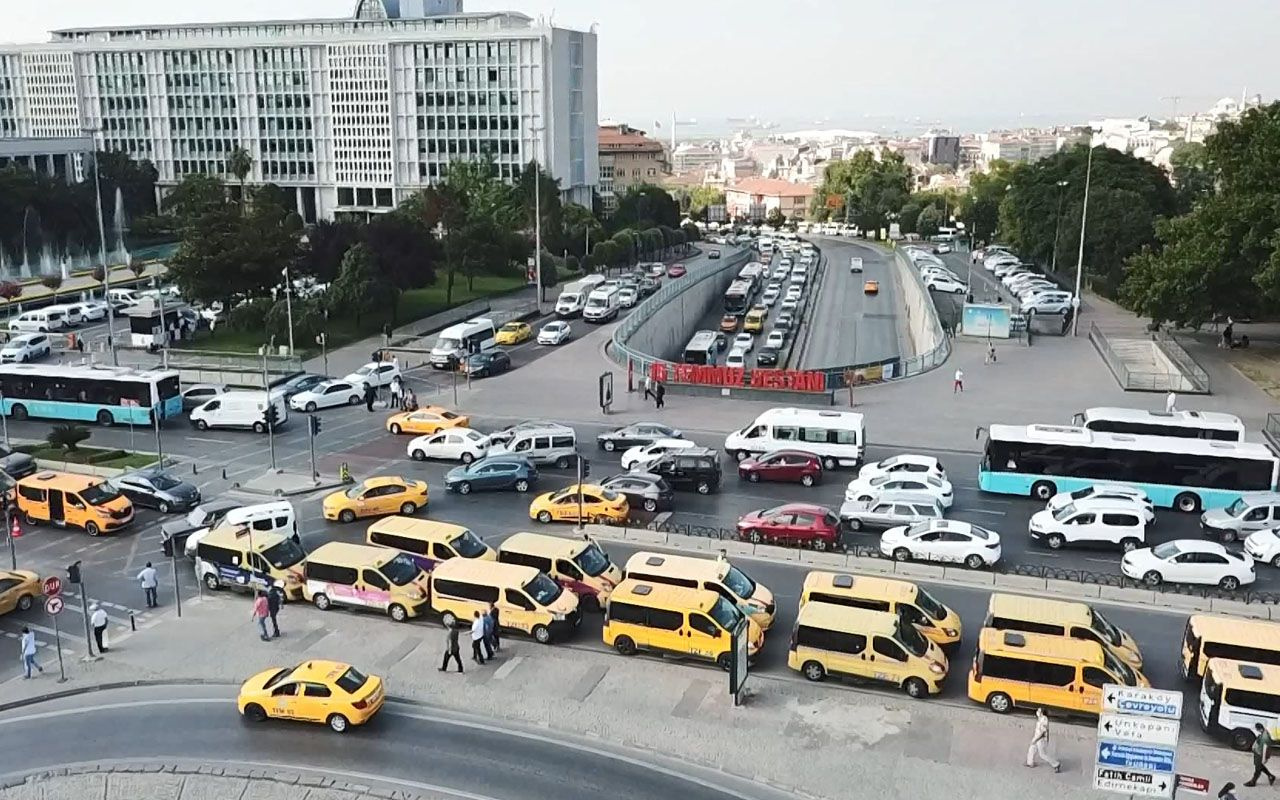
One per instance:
(849, 326)
(435, 751)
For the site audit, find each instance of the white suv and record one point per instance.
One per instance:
(1121, 524)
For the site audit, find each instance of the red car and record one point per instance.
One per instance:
(792, 524)
(676, 271)
(790, 466)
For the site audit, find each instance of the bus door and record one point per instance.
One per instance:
(57, 514)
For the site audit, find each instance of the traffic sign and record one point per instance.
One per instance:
(1144, 730)
(1193, 783)
(1132, 781)
(52, 586)
(53, 606)
(1135, 756)
(1142, 701)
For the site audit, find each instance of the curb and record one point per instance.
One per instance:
(104, 687)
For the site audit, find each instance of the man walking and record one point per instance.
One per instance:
(397, 393)
(275, 599)
(957, 386)
(489, 646)
(370, 394)
(28, 643)
(450, 648)
(1262, 743)
(1171, 403)
(261, 610)
(98, 619)
(648, 386)
(991, 353)
(1040, 743)
(659, 393)
(477, 638)
(496, 617)
(149, 584)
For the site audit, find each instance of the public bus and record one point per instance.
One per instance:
(701, 348)
(753, 272)
(738, 297)
(106, 395)
(1183, 424)
(1185, 474)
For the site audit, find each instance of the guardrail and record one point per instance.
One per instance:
(1175, 352)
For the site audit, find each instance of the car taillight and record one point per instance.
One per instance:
(993, 545)
(361, 704)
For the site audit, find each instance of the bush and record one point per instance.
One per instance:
(67, 437)
(103, 456)
(252, 316)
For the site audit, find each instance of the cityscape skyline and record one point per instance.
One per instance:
(1015, 66)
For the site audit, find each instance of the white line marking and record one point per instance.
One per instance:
(506, 669)
(211, 441)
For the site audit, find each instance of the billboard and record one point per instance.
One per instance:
(989, 321)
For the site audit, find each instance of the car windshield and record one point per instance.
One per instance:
(468, 545)
(355, 491)
(1063, 513)
(592, 560)
(99, 493)
(726, 614)
(164, 482)
(445, 343)
(276, 678)
(911, 638)
(1103, 626)
(351, 680)
(739, 583)
(929, 605)
(1080, 494)
(367, 369)
(1237, 508)
(285, 554)
(400, 570)
(1119, 668)
(543, 590)
(511, 327)
(1166, 551)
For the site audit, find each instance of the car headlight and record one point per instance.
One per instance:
(558, 617)
(936, 668)
(950, 632)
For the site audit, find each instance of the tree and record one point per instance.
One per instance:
(1191, 173)
(67, 437)
(9, 291)
(404, 254)
(645, 206)
(691, 232)
(99, 273)
(357, 289)
(929, 221)
(872, 189)
(53, 283)
(580, 228)
(240, 164)
(327, 242)
(979, 208)
(695, 201)
(553, 225)
(775, 218)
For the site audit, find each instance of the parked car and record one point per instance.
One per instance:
(513, 333)
(299, 383)
(25, 347)
(792, 524)
(155, 488)
(486, 364)
(14, 464)
(636, 434)
(94, 310)
(327, 394)
(452, 444)
(676, 271)
(713, 254)
(787, 466)
(1189, 561)
(944, 284)
(946, 540)
(202, 517)
(492, 474)
(642, 490)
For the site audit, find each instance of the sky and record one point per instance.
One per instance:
(861, 64)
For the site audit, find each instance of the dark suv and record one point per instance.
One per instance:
(694, 469)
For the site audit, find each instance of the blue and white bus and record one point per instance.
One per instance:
(1181, 473)
(1184, 424)
(106, 395)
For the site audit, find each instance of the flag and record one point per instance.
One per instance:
(657, 124)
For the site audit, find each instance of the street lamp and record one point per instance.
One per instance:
(102, 249)
(1084, 216)
(288, 304)
(537, 215)
(1057, 228)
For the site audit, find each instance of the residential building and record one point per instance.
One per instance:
(628, 158)
(350, 115)
(689, 156)
(943, 149)
(1018, 148)
(755, 197)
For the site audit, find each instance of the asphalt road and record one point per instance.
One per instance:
(433, 751)
(849, 326)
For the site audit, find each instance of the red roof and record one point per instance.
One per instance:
(771, 187)
(621, 137)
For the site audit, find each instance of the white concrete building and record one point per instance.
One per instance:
(352, 114)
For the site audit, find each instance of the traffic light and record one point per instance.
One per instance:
(313, 422)
(271, 416)
(73, 572)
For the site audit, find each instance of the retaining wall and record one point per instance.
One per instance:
(666, 320)
(924, 330)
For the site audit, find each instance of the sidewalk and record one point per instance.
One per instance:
(809, 739)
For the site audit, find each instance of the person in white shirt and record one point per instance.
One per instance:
(150, 583)
(1040, 743)
(1171, 402)
(98, 619)
(28, 647)
(958, 385)
(477, 638)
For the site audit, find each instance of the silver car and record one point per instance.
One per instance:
(890, 509)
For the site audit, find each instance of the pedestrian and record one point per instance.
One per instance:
(496, 617)
(450, 648)
(410, 400)
(261, 610)
(397, 393)
(1228, 332)
(149, 584)
(1227, 792)
(1262, 743)
(98, 619)
(1171, 402)
(275, 599)
(648, 386)
(991, 353)
(28, 649)
(386, 334)
(487, 619)
(477, 638)
(1040, 743)
(370, 394)
(958, 384)
(659, 396)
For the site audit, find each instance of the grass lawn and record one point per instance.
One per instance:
(97, 456)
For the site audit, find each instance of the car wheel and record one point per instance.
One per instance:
(105, 419)
(1229, 583)
(542, 634)
(1275, 562)
(92, 528)
(255, 713)
(398, 613)
(742, 455)
(609, 445)
(408, 509)
(310, 407)
(625, 645)
(1153, 578)
(522, 485)
(28, 519)
(807, 480)
(724, 661)
(395, 429)
(1000, 703)
(1043, 490)
(353, 400)
(820, 545)
(829, 463)
(814, 671)
(1055, 541)
(1242, 739)
(562, 463)
(418, 455)
(201, 425)
(347, 515)
(650, 504)
(915, 688)
(1129, 545)
(704, 487)
(464, 487)
(1228, 536)
(544, 517)
(974, 561)
(467, 458)
(902, 554)
(162, 507)
(259, 427)
(755, 536)
(338, 723)
(211, 582)
(754, 477)
(24, 602)
(854, 524)
(1187, 502)
(321, 601)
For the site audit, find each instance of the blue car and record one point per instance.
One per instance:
(492, 474)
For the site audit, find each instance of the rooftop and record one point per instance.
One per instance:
(771, 187)
(624, 137)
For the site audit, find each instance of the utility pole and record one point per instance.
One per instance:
(313, 428)
(1057, 227)
(102, 249)
(288, 305)
(269, 411)
(537, 222)
(323, 341)
(155, 416)
(579, 492)
(8, 527)
(1084, 217)
(74, 575)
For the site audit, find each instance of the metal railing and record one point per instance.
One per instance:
(1191, 370)
(1192, 381)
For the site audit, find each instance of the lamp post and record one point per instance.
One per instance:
(1057, 227)
(102, 250)
(288, 304)
(1084, 217)
(537, 217)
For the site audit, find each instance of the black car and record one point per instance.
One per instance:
(722, 342)
(205, 515)
(490, 362)
(154, 488)
(643, 490)
(637, 433)
(693, 469)
(648, 286)
(14, 464)
(301, 383)
(767, 357)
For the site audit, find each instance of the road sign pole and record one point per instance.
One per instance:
(311, 443)
(84, 609)
(177, 592)
(57, 640)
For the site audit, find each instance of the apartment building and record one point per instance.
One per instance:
(628, 158)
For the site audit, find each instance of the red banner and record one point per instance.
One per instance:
(739, 378)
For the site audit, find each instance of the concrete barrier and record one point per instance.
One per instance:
(1239, 609)
(924, 330)
(662, 322)
(1085, 591)
(973, 576)
(1021, 582)
(875, 566)
(79, 469)
(838, 561)
(1146, 597)
(922, 572)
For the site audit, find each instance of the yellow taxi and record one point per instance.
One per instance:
(871, 287)
(513, 333)
(18, 590)
(431, 419)
(599, 505)
(328, 692)
(754, 322)
(376, 497)
(729, 323)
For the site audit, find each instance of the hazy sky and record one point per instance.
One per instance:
(849, 60)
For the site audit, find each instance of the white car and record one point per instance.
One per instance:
(993, 262)
(744, 342)
(769, 297)
(944, 284)
(944, 248)
(1189, 561)
(736, 358)
(780, 273)
(1004, 270)
(1119, 524)
(1264, 546)
(554, 333)
(644, 455)
(26, 347)
(1108, 493)
(94, 310)
(785, 262)
(776, 339)
(790, 304)
(862, 491)
(904, 464)
(375, 374)
(327, 395)
(452, 444)
(1046, 304)
(794, 292)
(944, 540)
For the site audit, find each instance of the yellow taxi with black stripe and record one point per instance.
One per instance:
(513, 333)
(597, 504)
(431, 419)
(325, 692)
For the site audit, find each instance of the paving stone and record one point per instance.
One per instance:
(127, 786)
(78, 787)
(210, 787)
(270, 790)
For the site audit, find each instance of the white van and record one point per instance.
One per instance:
(122, 298)
(569, 303)
(277, 517)
(239, 410)
(737, 358)
(71, 313)
(837, 437)
(602, 304)
(42, 320)
(551, 443)
(456, 342)
(590, 283)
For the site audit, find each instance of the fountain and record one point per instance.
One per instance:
(27, 216)
(121, 251)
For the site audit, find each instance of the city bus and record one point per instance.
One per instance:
(1207, 637)
(738, 297)
(701, 349)
(753, 272)
(106, 395)
(1186, 474)
(1182, 424)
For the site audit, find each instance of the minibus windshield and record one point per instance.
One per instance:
(99, 494)
(592, 560)
(739, 583)
(400, 570)
(726, 614)
(285, 554)
(912, 639)
(930, 606)
(543, 590)
(468, 545)
(1103, 626)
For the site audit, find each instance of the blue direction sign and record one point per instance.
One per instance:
(1135, 756)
